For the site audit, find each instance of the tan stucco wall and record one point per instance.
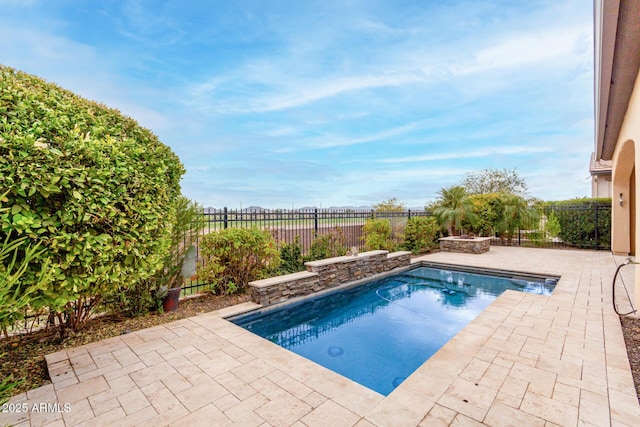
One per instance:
(629, 137)
(601, 186)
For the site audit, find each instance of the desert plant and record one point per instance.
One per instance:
(89, 185)
(376, 234)
(453, 209)
(328, 245)
(421, 234)
(233, 257)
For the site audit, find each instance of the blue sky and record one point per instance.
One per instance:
(329, 103)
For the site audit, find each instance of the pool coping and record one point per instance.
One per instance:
(526, 360)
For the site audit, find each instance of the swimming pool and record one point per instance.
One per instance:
(379, 332)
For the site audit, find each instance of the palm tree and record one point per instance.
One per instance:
(454, 207)
(517, 214)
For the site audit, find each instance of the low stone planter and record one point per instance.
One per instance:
(471, 245)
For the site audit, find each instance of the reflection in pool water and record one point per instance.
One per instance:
(378, 333)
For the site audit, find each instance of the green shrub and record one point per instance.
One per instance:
(186, 223)
(89, 185)
(291, 256)
(328, 245)
(421, 234)
(488, 209)
(233, 257)
(583, 223)
(376, 234)
(552, 226)
(16, 293)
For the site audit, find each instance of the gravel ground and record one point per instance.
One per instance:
(631, 331)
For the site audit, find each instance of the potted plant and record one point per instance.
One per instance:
(180, 260)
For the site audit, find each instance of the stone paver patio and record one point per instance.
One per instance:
(526, 360)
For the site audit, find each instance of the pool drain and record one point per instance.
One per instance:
(335, 351)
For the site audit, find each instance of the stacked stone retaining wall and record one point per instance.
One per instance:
(325, 274)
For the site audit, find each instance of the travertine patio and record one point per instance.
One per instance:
(526, 360)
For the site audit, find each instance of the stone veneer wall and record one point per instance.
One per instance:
(335, 271)
(325, 274)
(477, 245)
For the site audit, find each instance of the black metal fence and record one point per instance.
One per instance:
(285, 225)
(578, 226)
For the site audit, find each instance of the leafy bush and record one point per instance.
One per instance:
(488, 209)
(584, 223)
(328, 245)
(233, 257)
(291, 256)
(421, 234)
(187, 222)
(89, 185)
(552, 226)
(376, 234)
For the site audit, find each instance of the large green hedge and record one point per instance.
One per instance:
(584, 223)
(88, 184)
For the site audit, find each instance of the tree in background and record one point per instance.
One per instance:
(495, 181)
(454, 208)
(390, 205)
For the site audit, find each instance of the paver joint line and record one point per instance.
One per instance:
(527, 358)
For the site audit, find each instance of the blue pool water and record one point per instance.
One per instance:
(378, 333)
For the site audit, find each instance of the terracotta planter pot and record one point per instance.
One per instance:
(170, 302)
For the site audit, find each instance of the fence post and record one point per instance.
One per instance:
(224, 217)
(315, 220)
(519, 237)
(409, 214)
(373, 214)
(595, 219)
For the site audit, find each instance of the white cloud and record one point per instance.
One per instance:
(485, 152)
(551, 46)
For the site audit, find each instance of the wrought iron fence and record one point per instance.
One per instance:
(285, 225)
(578, 226)
(583, 226)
